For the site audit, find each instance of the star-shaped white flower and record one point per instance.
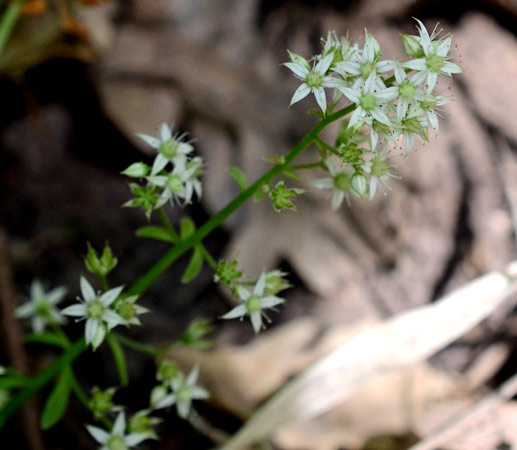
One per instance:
(96, 310)
(181, 183)
(169, 147)
(379, 169)
(254, 303)
(41, 307)
(369, 100)
(435, 60)
(184, 391)
(117, 439)
(340, 182)
(314, 79)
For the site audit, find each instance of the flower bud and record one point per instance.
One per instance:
(359, 184)
(412, 46)
(137, 170)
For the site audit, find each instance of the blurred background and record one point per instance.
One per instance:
(79, 78)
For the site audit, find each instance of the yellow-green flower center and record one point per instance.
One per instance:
(174, 184)
(314, 80)
(95, 309)
(342, 182)
(380, 168)
(183, 394)
(366, 69)
(116, 443)
(126, 310)
(407, 89)
(253, 304)
(367, 102)
(169, 148)
(434, 63)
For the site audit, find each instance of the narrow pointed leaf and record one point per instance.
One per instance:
(45, 338)
(239, 177)
(119, 358)
(154, 232)
(187, 227)
(57, 402)
(194, 266)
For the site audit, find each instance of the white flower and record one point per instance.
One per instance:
(253, 303)
(184, 390)
(370, 101)
(340, 182)
(169, 147)
(379, 170)
(117, 439)
(435, 60)
(365, 62)
(314, 79)
(96, 310)
(181, 183)
(41, 307)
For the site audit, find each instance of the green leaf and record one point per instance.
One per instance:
(154, 232)
(57, 401)
(187, 227)
(45, 338)
(194, 266)
(291, 174)
(239, 177)
(119, 358)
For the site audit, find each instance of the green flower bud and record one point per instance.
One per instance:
(359, 184)
(137, 170)
(412, 46)
(100, 266)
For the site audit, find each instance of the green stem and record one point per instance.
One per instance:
(8, 21)
(307, 166)
(327, 146)
(166, 260)
(136, 346)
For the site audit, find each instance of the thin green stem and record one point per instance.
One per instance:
(307, 166)
(208, 257)
(8, 21)
(166, 260)
(136, 346)
(326, 146)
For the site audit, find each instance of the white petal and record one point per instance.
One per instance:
(373, 186)
(57, 294)
(449, 68)
(193, 376)
(75, 310)
(90, 330)
(165, 132)
(152, 141)
(110, 296)
(256, 321)
(159, 163)
(112, 319)
(198, 393)
(319, 93)
(324, 183)
(271, 301)
(299, 70)
(135, 438)
(380, 116)
(183, 409)
(87, 290)
(120, 424)
(260, 285)
(415, 64)
(324, 64)
(238, 311)
(100, 435)
(351, 94)
(300, 93)
(37, 291)
(337, 199)
(99, 336)
(26, 310)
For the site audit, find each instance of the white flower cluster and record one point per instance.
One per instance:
(395, 99)
(174, 175)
